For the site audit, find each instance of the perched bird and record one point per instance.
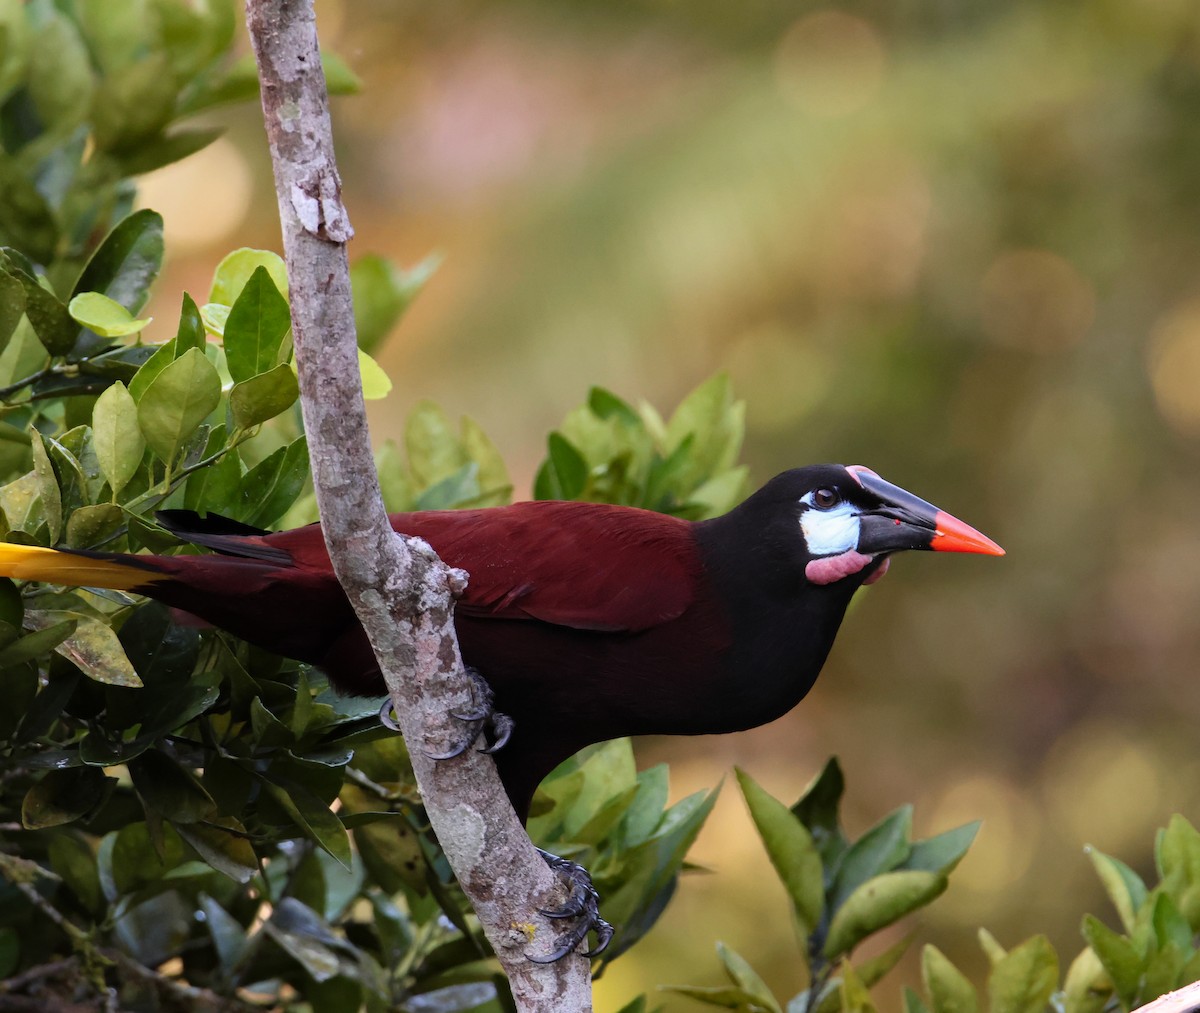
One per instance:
(588, 621)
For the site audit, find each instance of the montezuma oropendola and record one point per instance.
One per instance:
(588, 621)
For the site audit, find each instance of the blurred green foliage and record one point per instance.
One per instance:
(843, 892)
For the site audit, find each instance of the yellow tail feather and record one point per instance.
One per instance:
(31, 562)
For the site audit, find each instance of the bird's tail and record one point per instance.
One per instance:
(76, 568)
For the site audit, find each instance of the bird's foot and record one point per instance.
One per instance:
(480, 720)
(583, 904)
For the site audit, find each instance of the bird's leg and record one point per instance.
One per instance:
(582, 904)
(481, 719)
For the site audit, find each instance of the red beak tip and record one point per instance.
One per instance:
(954, 536)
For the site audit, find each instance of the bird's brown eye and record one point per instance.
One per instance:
(825, 498)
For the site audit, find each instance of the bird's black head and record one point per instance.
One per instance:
(838, 525)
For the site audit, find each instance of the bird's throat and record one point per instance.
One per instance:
(830, 569)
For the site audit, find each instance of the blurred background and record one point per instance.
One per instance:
(956, 241)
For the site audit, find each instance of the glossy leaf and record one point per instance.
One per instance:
(267, 490)
(126, 263)
(257, 324)
(237, 268)
(169, 789)
(47, 487)
(63, 796)
(177, 401)
(116, 436)
(264, 396)
(791, 850)
(107, 318)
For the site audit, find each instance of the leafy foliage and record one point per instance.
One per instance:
(172, 794)
(608, 452)
(842, 892)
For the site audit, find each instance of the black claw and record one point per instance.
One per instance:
(387, 716)
(501, 727)
(480, 720)
(582, 904)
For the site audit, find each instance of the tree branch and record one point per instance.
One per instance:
(400, 590)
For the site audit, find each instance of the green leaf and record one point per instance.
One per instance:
(72, 860)
(125, 265)
(880, 849)
(871, 971)
(12, 605)
(991, 946)
(494, 483)
(376, 384)
(43, 309)
(60, 75)
(191, 328)
(215, 487)
(314, 817)
(133, 104)
(107, 318)
(156, 152)
(26, 220)
(181, 397)
(568, 469)
(36, 644)
(268, 489)
(47, 486)
(170, 790)
(722, 996)
(434, 451)
(63, 796)
(228, 853)
(264, 396)
(1124, 886)
(1087, 987)
(818, 809)
(942, 852)
(716, 424)
(879, 902)
(947, 987)
(116, 436)
(92, 647)
(855, 997)
(228, 935)
(257, 324)
(238, 267)
(382, 294)
(606, 405)
(746, 978)
(457, 490)
(1169, 925)
(1025, 979)
(791, 850)
(1122, 962)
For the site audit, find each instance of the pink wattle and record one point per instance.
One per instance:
(834, 568)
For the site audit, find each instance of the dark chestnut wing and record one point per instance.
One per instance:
(582, 565)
